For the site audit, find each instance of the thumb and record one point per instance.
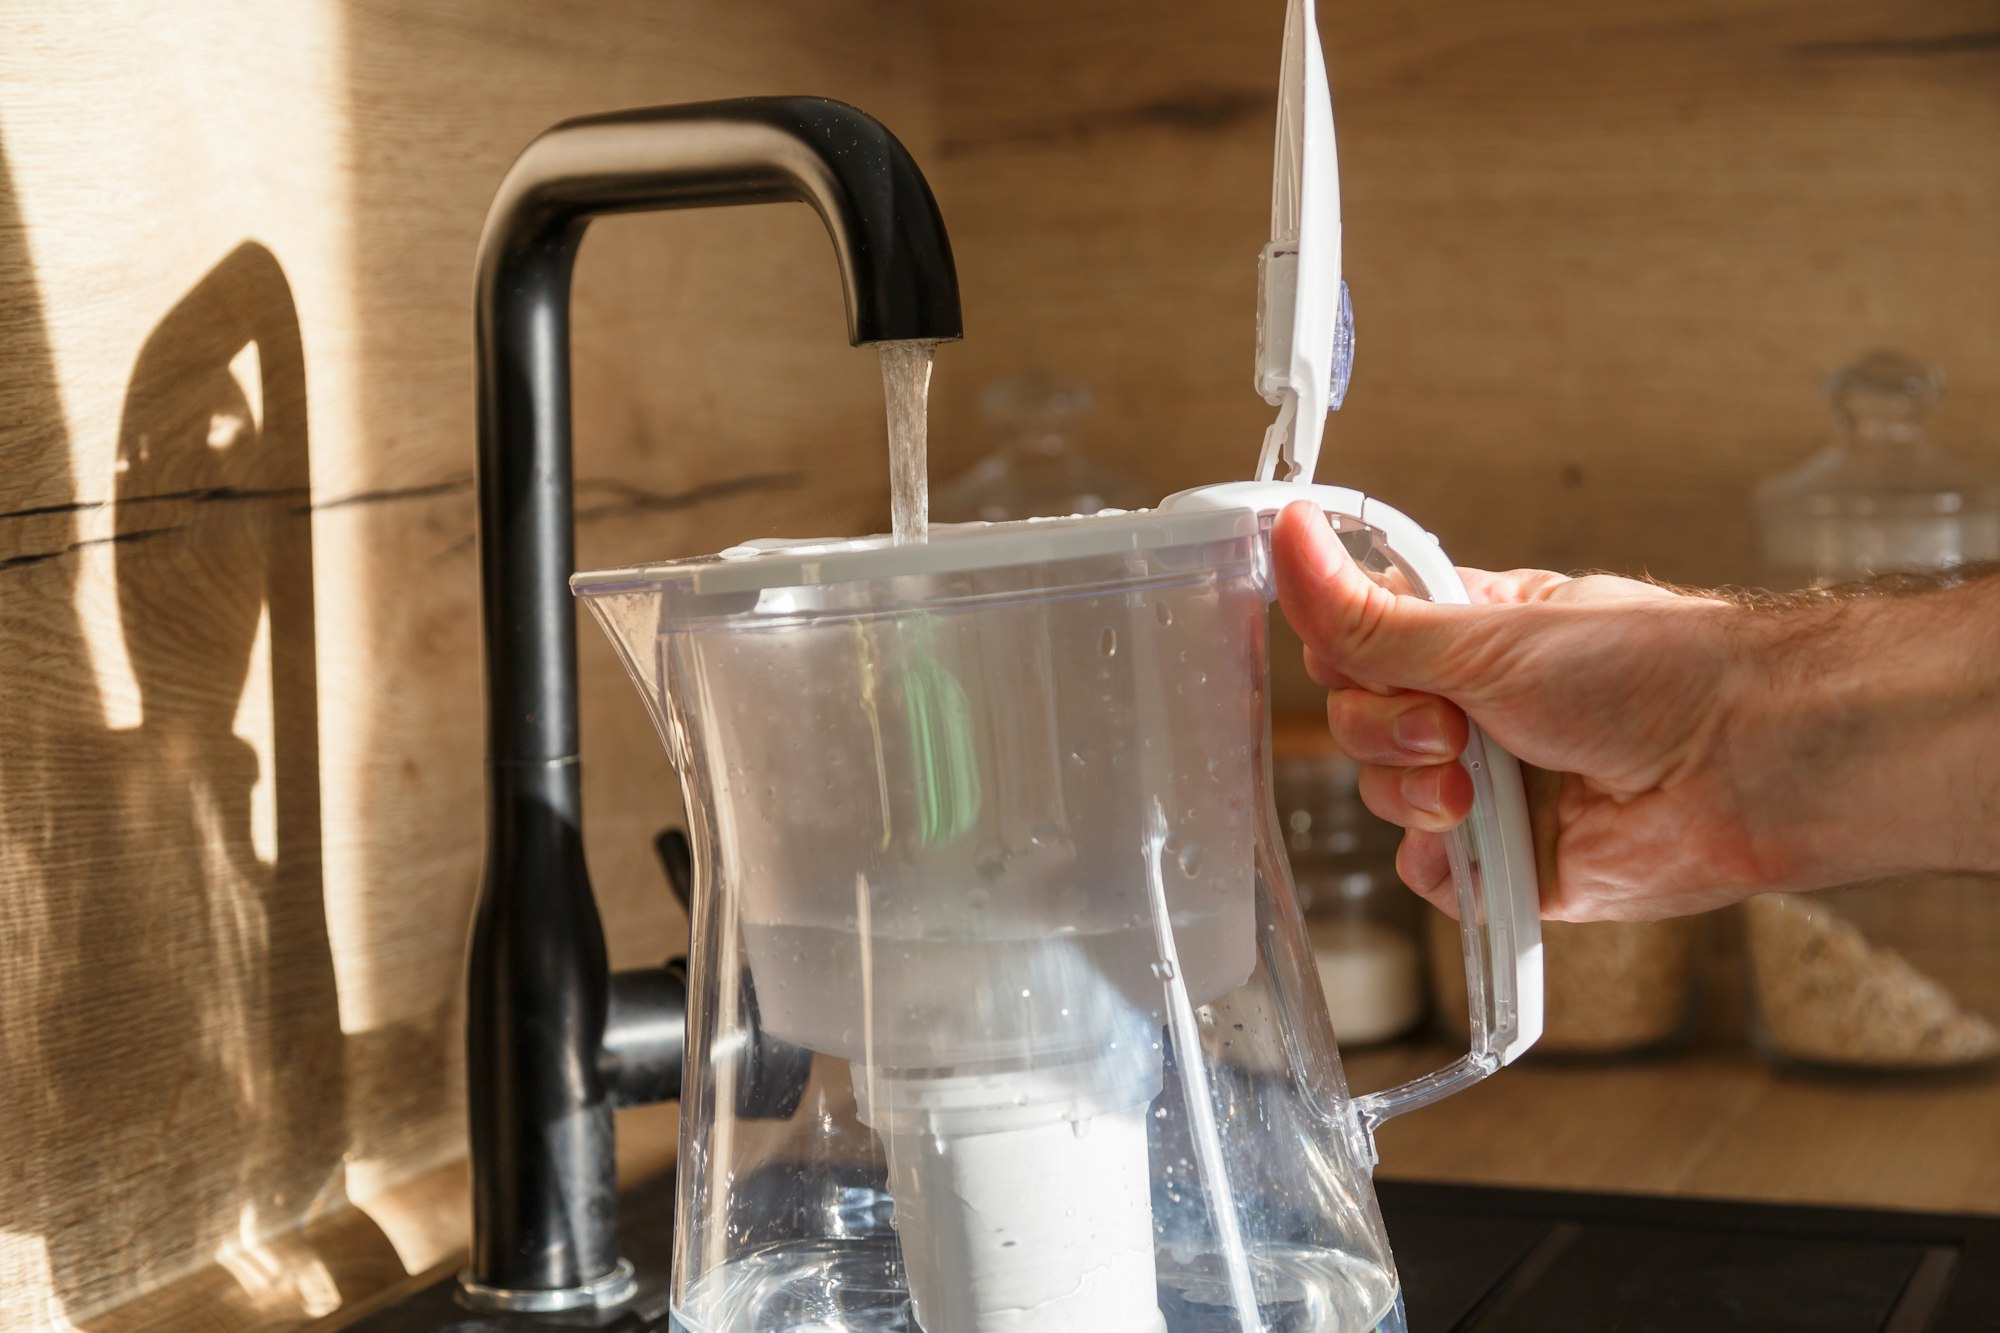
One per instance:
(1373, 635)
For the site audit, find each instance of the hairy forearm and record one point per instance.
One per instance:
(1865, 733)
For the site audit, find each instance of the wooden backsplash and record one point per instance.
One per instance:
(239, 726)
(1600, 256)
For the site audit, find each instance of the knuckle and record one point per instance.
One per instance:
(1382, 795)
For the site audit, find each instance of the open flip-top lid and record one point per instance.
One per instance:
(1305, 325)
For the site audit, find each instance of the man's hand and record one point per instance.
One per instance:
(1701, 751)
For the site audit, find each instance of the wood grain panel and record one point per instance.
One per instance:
(239, 723)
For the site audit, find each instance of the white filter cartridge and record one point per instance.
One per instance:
(1023, 1202)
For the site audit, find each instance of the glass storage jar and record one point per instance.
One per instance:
(1039, 468)
(1901, 976)
(1881, 498)
(1362, 923)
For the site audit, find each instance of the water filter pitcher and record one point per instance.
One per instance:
(984, 824)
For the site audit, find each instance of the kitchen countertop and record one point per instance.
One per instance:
(1474, 1259)
(1710, 1122)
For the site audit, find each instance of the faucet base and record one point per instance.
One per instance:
(614, 1288)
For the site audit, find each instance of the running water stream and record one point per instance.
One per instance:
(906, 387)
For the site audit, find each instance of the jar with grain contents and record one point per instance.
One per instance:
(1895, 978)
(1614, 988)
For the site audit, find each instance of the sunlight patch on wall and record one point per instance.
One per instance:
(27, 1289)
(422, 1234)
(97, 611)
(253, 725)
(247, 369)
(278, 1278)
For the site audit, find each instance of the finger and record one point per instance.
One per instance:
(1422, 863)
(1403, 730)
(1434, 798)
(1352, 622)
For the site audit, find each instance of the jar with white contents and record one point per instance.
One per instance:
(1363, 924)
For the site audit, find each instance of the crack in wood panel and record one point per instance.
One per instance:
(1977, 41)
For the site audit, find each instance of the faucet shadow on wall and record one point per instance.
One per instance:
(171, 1030)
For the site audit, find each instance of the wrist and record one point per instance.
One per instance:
(1864, 736)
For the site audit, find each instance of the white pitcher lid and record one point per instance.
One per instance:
(950, 548)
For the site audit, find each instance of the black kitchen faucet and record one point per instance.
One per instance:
(554, 1041)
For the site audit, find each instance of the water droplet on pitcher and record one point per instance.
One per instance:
(1189, 858)
(1164, 612)
(1164, 970)
(1075, 759)
(1108, 643)
(1043, 835)
(1080, 1126)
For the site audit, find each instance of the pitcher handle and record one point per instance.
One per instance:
(1492, 853)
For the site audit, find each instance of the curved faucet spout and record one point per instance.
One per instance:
(539, 988)
(890, 242)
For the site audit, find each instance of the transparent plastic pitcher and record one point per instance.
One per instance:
(984, 825)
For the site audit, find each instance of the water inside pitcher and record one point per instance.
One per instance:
(985, 825)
